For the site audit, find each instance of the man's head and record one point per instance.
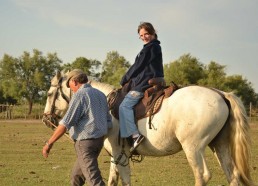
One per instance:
(76, 77)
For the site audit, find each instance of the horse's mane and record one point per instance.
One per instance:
(107, 88)
(104, 87)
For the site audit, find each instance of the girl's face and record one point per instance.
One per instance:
(145, 36)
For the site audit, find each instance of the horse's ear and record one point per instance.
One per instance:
(58, 74)
(65, 71)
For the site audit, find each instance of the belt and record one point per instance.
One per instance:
(74, 140)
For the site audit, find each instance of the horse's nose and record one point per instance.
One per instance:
(46, 119)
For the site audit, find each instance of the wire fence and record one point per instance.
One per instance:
(21, 111)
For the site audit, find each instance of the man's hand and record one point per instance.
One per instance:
(46, 149)
(60, 130)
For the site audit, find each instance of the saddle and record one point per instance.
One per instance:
(149, 104)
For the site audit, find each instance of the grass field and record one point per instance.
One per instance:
(21, 162)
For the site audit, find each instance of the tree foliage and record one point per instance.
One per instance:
(6, 99)
(242, 88)
(184, 71)
(214, 76)
(113, 68)
(89, 66)
(28, 77)
(188, 70)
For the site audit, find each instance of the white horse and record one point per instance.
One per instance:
(191, 119)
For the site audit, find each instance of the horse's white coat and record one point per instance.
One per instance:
(189, 120)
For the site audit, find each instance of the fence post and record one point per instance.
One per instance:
(6, 112)
(250, 112)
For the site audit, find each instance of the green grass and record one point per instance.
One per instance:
(21, 111)
(21, 161)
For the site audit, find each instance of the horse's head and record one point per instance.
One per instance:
(58, 98)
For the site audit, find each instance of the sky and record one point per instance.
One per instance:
(223, 31)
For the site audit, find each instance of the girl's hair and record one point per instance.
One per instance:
(148, 27)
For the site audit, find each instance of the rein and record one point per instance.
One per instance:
(47, 120)
(123, 158)
(51, 118)
(66, 98)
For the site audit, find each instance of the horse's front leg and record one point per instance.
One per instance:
(113, 174)
(116, 171)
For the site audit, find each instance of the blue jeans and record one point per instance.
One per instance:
(126, 113)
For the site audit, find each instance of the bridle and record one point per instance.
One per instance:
(51, 119)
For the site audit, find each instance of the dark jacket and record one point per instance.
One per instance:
(148, 64)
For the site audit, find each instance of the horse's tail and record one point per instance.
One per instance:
(240, 141)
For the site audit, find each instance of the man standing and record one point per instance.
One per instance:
(87, 120)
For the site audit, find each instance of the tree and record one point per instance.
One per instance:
(113, 68)
(89, 66)
(6, 99)
(184, 71)
(242, 88)
(28, 77)
(188, 70)
(214, 76)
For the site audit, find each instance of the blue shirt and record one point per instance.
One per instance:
(88, 114)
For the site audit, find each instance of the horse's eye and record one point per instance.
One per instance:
(49, 93)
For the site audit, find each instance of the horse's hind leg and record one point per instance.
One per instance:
(220, 148)
(198, 163)
(223, 156)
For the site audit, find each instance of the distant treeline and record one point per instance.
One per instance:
(27, 78)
